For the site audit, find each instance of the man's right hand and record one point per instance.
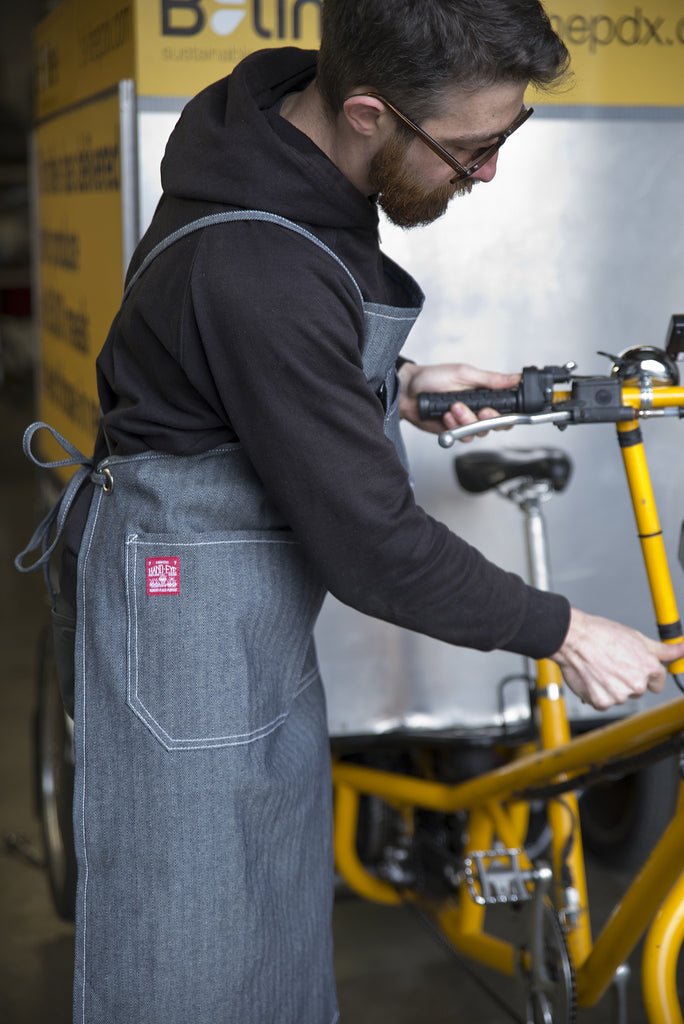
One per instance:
(605, 663)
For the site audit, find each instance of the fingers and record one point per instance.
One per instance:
(489, 378)
(606, 663)
(665, 654)
(460, 416)
(448, 377)
(622, 680)
(656, 684)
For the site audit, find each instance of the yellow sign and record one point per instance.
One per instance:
(623, 54)
(81, 255)
(82, 48)
(168, 47)
(186, 44)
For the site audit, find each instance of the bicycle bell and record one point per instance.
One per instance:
(645, 365)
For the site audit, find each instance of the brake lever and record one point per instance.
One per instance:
(448, 437)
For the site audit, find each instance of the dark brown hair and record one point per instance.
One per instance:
(410, 50)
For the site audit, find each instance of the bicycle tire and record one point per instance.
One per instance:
(622, 819)
(55, 781)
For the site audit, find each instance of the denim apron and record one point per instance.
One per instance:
(202, 810)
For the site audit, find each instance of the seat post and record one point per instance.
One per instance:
(536, 537)
(554, 731)
(529, 496)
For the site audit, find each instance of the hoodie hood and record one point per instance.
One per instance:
(232, 147)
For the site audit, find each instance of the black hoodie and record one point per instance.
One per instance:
(247, 331)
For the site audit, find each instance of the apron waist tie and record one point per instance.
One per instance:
(56, 517)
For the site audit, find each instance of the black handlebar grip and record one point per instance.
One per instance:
(433, 405)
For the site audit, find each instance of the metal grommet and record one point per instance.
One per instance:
(108, 485)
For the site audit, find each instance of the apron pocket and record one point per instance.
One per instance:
(218, 630)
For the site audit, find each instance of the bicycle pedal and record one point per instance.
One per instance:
(496, 876)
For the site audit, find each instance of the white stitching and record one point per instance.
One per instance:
(388, 316)
(83, 739)
(212, 543)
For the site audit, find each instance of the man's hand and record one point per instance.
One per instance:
(447, 377)
(604, 663)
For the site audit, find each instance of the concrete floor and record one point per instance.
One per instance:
(389, 968)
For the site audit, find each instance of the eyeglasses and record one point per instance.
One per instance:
(478, 159)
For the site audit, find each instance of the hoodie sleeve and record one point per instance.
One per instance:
(279, 330)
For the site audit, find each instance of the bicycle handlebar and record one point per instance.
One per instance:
(533, 394)
(592, 399)
(641, 381)
(433, 405)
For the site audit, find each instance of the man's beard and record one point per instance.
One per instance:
(406, 203)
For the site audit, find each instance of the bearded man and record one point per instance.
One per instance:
(250, 459)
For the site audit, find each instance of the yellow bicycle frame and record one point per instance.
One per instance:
(497, 804)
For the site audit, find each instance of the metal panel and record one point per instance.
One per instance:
(129, 163)
(577, 245)
(156, 119)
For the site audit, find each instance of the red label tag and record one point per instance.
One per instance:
(163, 575)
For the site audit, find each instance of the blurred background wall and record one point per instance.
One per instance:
(17, 21)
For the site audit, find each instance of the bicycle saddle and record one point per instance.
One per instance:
(481, 471)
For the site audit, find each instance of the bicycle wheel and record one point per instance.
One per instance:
(622, 819)
(55, 769)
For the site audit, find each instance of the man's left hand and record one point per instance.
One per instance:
(448, 377)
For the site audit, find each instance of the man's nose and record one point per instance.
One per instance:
(487, 171)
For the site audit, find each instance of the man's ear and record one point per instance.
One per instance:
(364, 114)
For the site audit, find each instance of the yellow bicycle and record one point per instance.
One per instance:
(457, 841)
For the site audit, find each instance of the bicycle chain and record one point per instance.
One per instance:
(467, 966)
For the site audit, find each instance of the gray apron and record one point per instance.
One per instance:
(202, 814)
